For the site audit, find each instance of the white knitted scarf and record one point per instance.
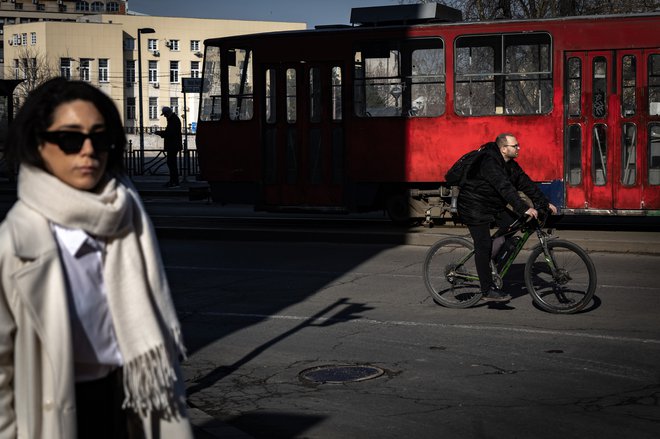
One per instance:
(143, 314)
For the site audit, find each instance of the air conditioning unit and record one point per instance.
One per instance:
(199, 54)
(156, 53)
(156, 85)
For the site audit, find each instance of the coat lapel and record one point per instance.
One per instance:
(40, 283)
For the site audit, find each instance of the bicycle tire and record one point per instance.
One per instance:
(443, 275)
(571, 289)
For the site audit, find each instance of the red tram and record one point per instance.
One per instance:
(371, 116)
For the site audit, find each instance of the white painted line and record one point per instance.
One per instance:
(433, 325)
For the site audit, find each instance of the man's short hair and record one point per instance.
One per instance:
(501, 139)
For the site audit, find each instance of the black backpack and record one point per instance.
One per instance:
(457, 174)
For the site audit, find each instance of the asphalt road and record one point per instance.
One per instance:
(257, 315)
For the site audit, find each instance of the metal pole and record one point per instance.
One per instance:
(140, 31)
(185, 137)
(141, 127)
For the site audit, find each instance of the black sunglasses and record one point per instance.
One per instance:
(71, 142)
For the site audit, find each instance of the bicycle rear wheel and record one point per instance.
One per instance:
(450, 275)
(572, 285)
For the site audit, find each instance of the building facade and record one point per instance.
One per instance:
(103, 49)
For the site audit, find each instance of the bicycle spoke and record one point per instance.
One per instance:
(450, 275)
(563, 284)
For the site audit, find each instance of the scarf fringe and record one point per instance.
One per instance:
(149, 381)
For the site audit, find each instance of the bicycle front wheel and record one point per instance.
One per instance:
(564, 280)
(450, 275)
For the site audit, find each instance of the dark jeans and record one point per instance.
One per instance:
(98, 406)
(483, 248)
(172, 166)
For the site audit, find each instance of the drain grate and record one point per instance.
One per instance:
(333, 374)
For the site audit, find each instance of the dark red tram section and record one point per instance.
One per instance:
(371, 116)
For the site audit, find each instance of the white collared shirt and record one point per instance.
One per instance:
(95, 347)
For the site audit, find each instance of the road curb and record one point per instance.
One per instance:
(634, 243)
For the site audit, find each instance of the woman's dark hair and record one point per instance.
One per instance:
(36, 115)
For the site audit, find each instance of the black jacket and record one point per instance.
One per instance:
(493, 183)
(172, 134)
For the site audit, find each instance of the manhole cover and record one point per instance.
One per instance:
(340, 374)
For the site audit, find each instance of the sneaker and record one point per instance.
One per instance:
(494, 295)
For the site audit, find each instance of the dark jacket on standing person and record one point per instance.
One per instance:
(172, 134)
(492, 184)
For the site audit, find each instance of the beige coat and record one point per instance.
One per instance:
(37, 388)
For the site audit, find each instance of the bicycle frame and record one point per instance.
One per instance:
(527, 231)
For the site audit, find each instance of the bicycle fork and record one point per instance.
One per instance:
(559, 276)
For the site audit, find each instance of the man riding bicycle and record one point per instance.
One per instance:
(494, 181)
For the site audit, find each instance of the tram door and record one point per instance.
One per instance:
(610, 134)
(303, 136)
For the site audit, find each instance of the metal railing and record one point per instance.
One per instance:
(155, 162)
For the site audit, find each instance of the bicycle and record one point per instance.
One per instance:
(559, 275)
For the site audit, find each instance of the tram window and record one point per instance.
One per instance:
(599, 155)
(599, 87)
(400, 79)
(654, 154)
(574, 87)
(503, 74)
(239, 79)
(291, 96)
(628, 154)
(475, 82)
(378, 84)
(211, 87)
(574, 155)
(654, 85)
(628, 83)
(315, 94)
(427, 83)
(271, 89)
(336, 93)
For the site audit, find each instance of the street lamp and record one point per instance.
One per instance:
(140, 31)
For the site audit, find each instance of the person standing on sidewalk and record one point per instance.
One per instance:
(173, 144)
(89, 337)
(493, 182)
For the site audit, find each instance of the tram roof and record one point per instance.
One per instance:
(341, 28)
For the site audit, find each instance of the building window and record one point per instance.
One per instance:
(173, 45)
(61, 8)
(103, 70)
(23, 39)
(129, 43)
(152, 44)
(112, 7)
(17, 40)
(194, 45)
(174, 105)
(82, 6)
(85, 69)
(65, 68)
(18, 6)
(33, 38)
(130, 108)
(130, 71)
(153, 108)
(97, 7)
(194, 69)
(41, 7)
(153, 72)
(174, 71)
